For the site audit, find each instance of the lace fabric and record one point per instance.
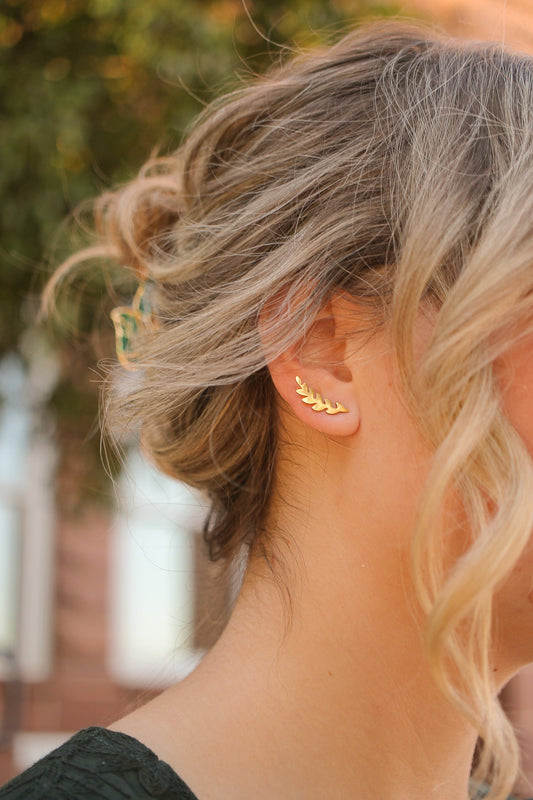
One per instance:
(98, 763)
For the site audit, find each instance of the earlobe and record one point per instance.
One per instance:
(319, 400)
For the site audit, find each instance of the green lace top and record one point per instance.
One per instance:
(98, 763)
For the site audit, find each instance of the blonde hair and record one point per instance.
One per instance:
(395, 165)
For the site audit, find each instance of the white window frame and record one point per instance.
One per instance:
(31, 660)
(184, 510)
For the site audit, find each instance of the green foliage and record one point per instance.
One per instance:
(88, 88)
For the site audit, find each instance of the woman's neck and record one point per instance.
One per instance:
(319, 686)
(338, 703)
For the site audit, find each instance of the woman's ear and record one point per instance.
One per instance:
(313, 377)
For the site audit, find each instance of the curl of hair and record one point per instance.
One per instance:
(397, 166)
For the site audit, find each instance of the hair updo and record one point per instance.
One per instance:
(396, 166)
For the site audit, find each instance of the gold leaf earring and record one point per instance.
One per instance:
(315, 400)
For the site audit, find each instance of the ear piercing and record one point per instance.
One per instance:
(315, 400)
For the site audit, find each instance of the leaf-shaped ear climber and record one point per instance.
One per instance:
(315, 400)
(129, 320)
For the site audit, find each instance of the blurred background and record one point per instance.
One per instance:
(106, 596)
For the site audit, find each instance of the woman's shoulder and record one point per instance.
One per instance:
(105, 764)
(97, 762)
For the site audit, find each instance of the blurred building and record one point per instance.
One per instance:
(99, 610)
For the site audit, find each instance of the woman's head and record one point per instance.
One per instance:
(392, 171)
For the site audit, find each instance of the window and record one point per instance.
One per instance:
(27, 465)
(159, 578)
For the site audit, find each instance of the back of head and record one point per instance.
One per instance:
(395, 166)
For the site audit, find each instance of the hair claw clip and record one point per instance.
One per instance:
(128, 322)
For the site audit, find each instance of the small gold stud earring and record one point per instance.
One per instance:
(315, 400)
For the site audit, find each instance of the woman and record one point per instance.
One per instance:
(339, 263)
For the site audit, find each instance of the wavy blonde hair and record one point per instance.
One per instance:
(396, 165)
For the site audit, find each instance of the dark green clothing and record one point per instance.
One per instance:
(98, 764)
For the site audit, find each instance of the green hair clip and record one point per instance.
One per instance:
(128, 322)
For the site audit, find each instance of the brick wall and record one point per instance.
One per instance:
(80, 691)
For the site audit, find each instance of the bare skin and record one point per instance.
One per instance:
(339, 703)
